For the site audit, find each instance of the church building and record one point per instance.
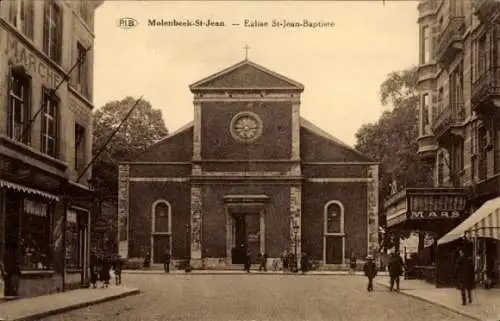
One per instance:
(249, 173)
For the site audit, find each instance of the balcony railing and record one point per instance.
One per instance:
(449, 41)
(450, 117)
(486, 87)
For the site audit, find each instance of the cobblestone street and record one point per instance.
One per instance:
(258, 297)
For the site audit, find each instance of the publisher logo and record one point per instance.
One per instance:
(127, 23)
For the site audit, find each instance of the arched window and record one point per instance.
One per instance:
(161, 230)
(334, 218)
(162, 218)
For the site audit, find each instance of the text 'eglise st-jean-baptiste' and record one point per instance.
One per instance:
(247, 23)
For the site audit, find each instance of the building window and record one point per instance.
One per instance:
(74, 240)
(161, 230)
(426, 114)
(35, 235)
(440, 100)
(21, 16)
(483, 151)
(482, 56)
(79, 147)
(334, 220)
(333, 233)
(49, 123)
(426, 45)
(82, 70)
(458, 156)
(52, 31)
(19, 108)
(440, 170)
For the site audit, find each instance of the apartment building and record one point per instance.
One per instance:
(45, 143)
(459, 128)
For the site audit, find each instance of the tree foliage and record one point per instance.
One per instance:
(143, 127)
(392, 139)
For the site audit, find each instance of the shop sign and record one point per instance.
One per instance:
(33, 64)
(37, 208)
(422, 215)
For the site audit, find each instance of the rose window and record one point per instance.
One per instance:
(246, 126)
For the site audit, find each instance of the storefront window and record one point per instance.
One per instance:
(35, 235)
(73, 259)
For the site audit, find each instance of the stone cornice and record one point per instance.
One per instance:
(156, 163)
(245, 179)
(246, 99)
(246, 161)
(338, 163)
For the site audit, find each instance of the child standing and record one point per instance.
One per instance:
(370, 270)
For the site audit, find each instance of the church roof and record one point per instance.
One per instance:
(320, 132)
(246, 75)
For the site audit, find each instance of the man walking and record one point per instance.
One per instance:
(370, 270)
(166, 261)
(464, 273)
(395, 267)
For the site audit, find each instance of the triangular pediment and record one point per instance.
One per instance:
(246, 75)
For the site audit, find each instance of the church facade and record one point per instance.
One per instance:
(249, 173)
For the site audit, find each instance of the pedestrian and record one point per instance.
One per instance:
(93, 263)
(284, 259)
(395, 267)
(104, 273)
(352, 264)
(263, 262)
(370, 270)
(464, 273)
(166, 261)
(248, 261)
(304, 263)
(117, 267)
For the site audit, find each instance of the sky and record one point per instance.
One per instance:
(341, 67)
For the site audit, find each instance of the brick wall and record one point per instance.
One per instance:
(217, 142)
(142, 197)
(177, 148)
(353, 198)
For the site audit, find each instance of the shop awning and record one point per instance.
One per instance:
(27, 190)
(485, 222)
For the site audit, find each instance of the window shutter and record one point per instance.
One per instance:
(46, 27)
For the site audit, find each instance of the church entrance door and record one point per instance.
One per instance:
(246, 236)
(161, 243)
(333, 249)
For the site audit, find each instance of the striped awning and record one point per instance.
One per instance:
(485, 222)
(27, 190)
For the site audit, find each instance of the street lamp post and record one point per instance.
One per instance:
(296, 228)
(188, 256)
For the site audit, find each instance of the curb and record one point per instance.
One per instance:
(44, 314)
(452, 309)
(159, 272)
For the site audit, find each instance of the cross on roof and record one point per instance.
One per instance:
(246, 51)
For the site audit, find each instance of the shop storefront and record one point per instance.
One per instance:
(435, 211)
(482, 229)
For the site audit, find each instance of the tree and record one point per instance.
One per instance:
(144, 127)
(392, 140)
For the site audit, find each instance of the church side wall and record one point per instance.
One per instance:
(276, 217)
(218, 143)
(353, 196)
(142, 196)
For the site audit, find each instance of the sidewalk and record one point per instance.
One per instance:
(42, 306)
(485, 303)
(237, 272)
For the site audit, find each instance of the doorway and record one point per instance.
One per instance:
(246, 237)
